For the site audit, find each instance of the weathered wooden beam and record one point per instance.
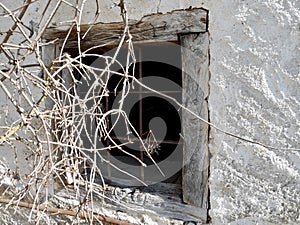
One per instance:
(161, 201)
(195, 91)
(155, 27)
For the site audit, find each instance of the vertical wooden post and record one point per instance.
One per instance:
(195, 62)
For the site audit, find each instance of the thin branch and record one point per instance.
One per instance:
(12, 29)
(211, 124)
(81, 214)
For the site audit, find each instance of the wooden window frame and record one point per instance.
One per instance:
(190, 28)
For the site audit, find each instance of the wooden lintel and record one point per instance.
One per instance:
(154, 27)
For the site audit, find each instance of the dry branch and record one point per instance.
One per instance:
(50, 132)
(12, 29)
(81, 214)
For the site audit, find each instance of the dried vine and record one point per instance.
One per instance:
(52, 134)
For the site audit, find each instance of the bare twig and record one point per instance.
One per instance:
(12, 29)
(64, 134)
(81, 214)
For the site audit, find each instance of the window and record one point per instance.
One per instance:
(184, 194)
(155, 119)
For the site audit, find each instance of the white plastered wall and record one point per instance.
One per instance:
(254, 93)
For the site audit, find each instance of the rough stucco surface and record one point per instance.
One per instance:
(254, 92)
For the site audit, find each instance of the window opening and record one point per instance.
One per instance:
(156, 119)
(189, 28)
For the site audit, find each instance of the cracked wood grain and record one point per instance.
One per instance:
(155, 27)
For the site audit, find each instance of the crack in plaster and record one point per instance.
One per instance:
(158, 6)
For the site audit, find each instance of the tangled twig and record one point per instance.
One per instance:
(46, 117)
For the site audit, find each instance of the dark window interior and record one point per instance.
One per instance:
(152, 61)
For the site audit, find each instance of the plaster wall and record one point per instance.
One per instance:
(254, 93)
